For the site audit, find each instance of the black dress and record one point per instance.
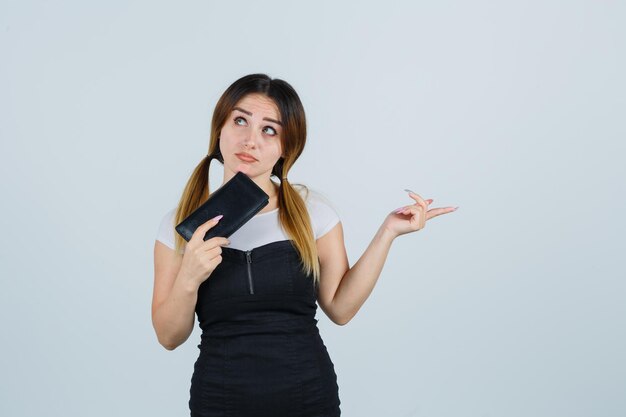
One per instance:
(261, 353)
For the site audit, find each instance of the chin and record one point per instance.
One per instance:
(243, 168)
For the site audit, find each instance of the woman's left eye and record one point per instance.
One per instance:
(273, 130)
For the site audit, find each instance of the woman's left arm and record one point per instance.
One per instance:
(343, 290)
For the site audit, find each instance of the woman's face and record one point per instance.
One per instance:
(253, 127)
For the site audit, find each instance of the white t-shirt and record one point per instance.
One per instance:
(264, 228)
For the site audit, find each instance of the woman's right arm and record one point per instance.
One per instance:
(174, 298)
(176, 282)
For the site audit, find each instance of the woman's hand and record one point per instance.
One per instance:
(411, 218)
(202, 257)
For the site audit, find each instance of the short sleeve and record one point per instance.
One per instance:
(323, 214)
(165, 233)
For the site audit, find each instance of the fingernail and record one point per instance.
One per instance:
(409, 191)
(398, 210)
(216, 218)
(456, 208)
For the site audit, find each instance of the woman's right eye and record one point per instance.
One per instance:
(237, 118)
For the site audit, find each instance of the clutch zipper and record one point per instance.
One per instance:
(251, 287)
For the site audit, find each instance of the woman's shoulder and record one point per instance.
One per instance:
(312, 195)
(324, 214)
(166, 231)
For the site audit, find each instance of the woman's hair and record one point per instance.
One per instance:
(292, 211)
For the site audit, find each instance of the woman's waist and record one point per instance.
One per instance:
(255, 310)
(267, 323)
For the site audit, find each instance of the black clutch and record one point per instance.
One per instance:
(238, 200)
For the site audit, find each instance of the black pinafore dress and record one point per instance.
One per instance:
(261, 353)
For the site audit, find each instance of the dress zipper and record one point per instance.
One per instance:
(249, 272)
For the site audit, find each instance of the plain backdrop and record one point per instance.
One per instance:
(512, 306)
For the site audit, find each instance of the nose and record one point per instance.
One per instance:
(251, 139)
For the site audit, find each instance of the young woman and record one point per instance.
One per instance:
(256, 293)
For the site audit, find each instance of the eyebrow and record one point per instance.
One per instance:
(250, 114)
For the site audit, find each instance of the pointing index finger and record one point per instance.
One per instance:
(416, 197)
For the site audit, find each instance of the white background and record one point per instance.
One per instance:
(512, 306)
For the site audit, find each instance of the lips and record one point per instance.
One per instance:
(245, 157)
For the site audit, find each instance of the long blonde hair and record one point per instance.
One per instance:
(292, 211)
